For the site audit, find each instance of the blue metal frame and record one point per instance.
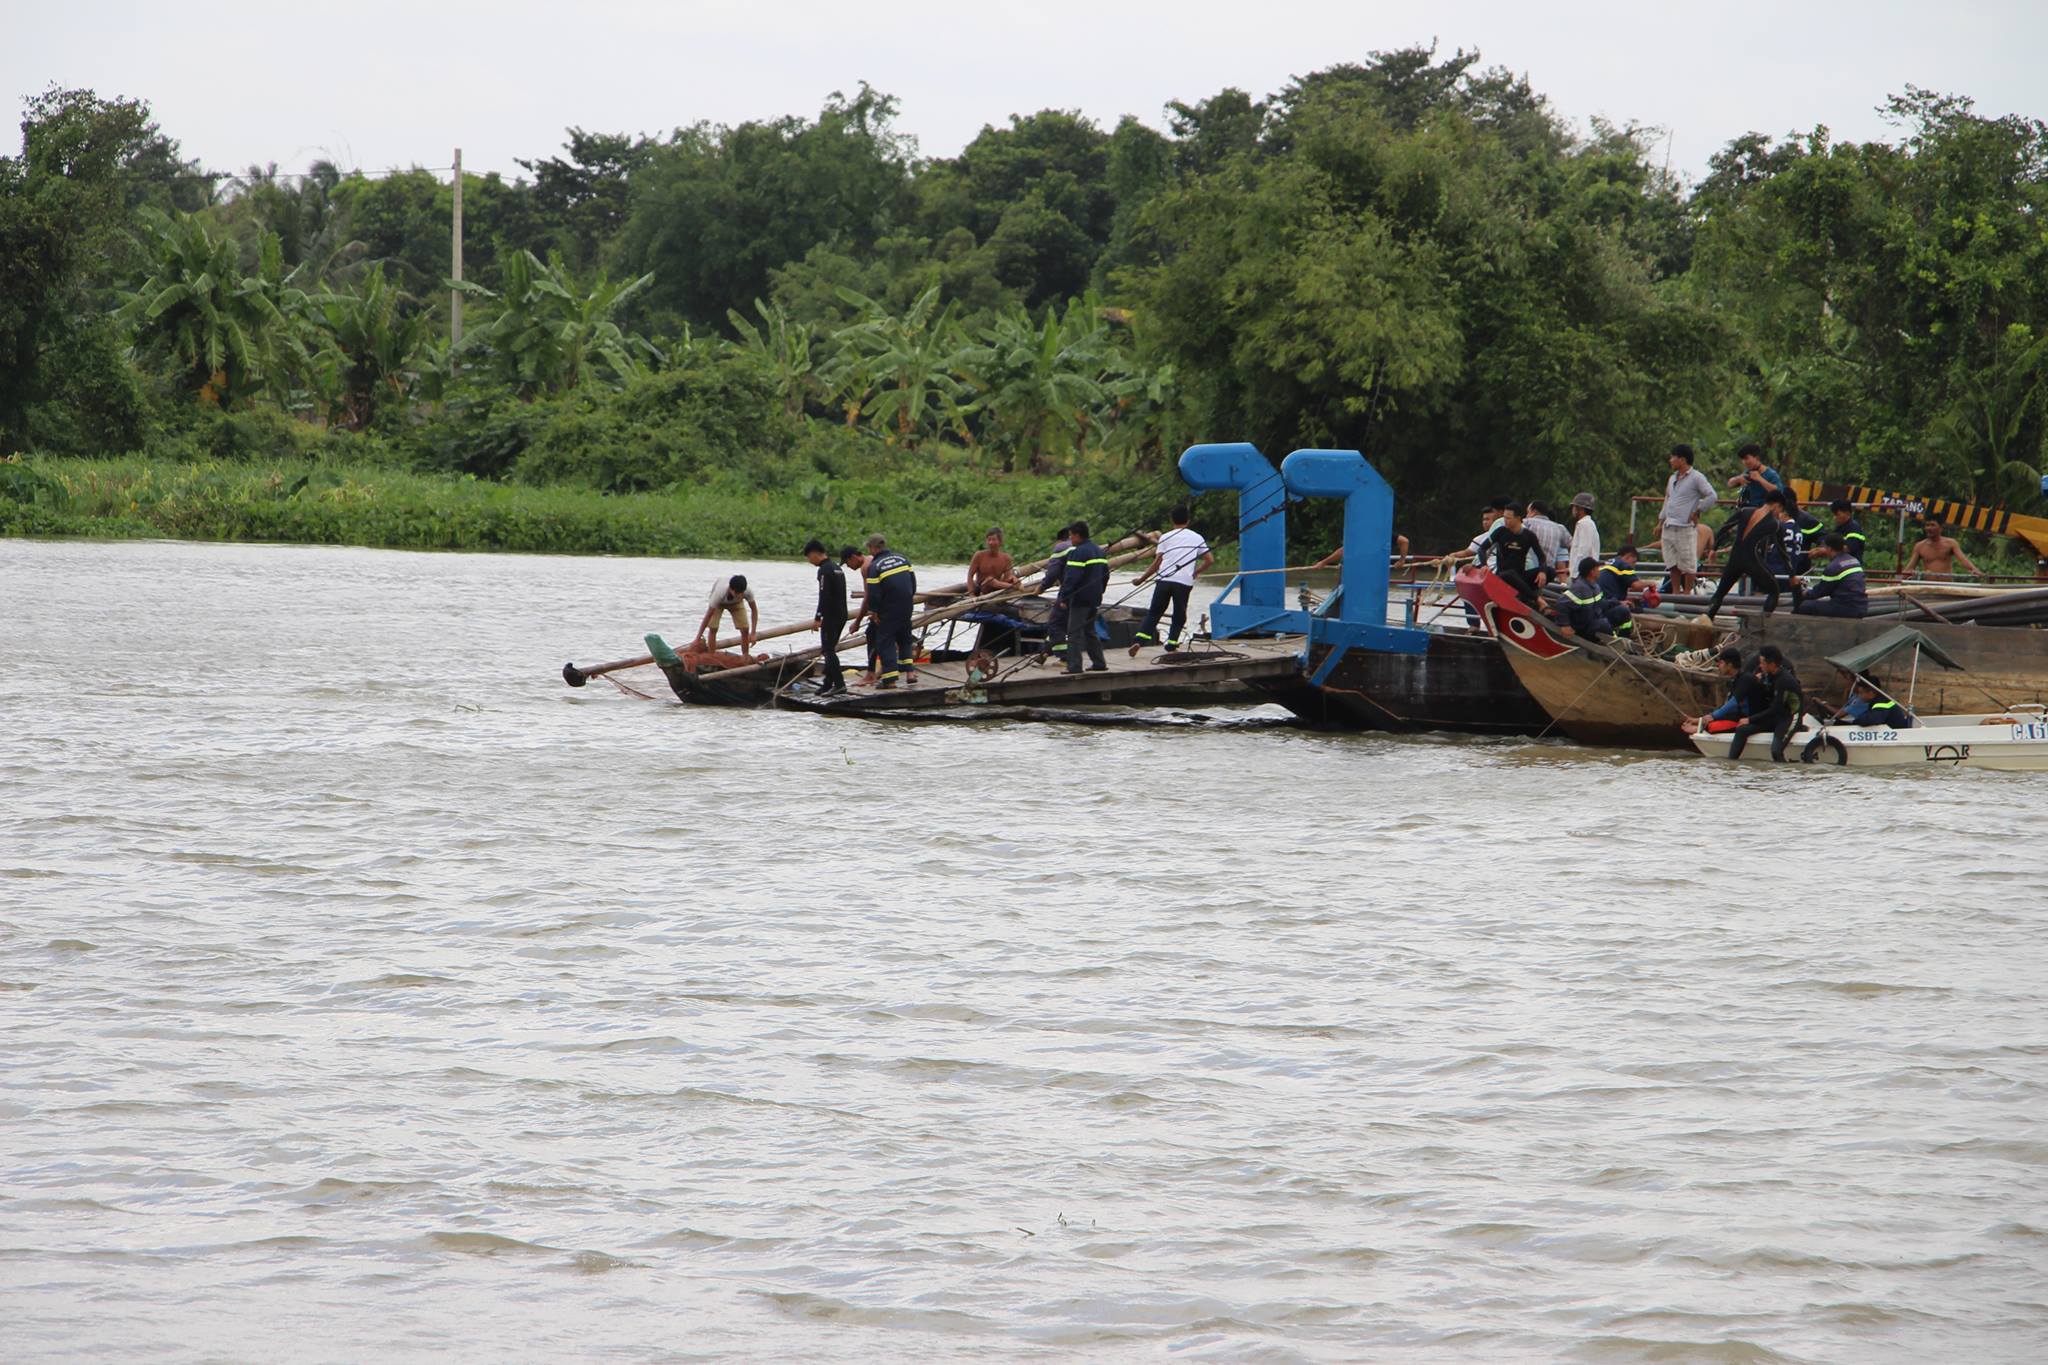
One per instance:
(1355, 617)
(1261, 589)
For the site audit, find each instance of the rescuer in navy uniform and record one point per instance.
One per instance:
(1838, 589)
(1618, 579)
(1083, 577)
(1848, 528)
(1591, 612)
(830, 617)
(1869, 708)
(892, 591)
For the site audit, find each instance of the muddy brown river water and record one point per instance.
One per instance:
(369, 995)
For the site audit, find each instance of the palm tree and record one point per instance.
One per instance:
(545, 337)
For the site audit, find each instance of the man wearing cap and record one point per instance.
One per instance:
(731, 595)
(1585, 532)
(890, 601)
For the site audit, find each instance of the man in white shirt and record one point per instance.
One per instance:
(1687, 494)
(1585, 533)
(1179, 556)
(731, 595)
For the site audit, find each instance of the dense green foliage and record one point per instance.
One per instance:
(1411, 256)
(330, 498)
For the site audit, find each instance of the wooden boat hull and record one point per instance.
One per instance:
(1460, 683)
(1598, 695)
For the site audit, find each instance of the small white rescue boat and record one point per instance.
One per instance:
(2013, 741)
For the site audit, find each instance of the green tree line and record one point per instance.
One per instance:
(1412, 255)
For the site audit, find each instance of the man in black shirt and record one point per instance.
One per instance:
(830, 617)
(1519, 559)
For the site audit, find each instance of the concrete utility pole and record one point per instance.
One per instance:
(455, 296)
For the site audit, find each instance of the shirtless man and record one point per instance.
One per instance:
(1936, 554)
(991, 569)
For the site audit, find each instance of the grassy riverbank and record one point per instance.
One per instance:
(928, 512)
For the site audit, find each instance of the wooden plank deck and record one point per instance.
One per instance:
(1036, 679)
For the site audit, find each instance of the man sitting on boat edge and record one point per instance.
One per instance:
(1746, 695)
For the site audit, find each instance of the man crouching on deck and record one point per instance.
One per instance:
(731, 595)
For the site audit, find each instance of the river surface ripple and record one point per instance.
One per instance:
(368, 994)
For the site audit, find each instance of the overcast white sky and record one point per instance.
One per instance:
(375, 84)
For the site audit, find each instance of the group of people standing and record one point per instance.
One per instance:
(1528, 549)
(1078, 569)
(889, 598)
(1774, 543)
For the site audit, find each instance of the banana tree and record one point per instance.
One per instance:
(374, 345)
(1038, 384)
(546, 337)
(1995, 411)
(787, 349)
(225, 330)
(909, 360)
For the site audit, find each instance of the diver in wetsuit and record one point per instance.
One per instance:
(1783, 704)
(1746, 696)
(1519, 559)
(1750, 555)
